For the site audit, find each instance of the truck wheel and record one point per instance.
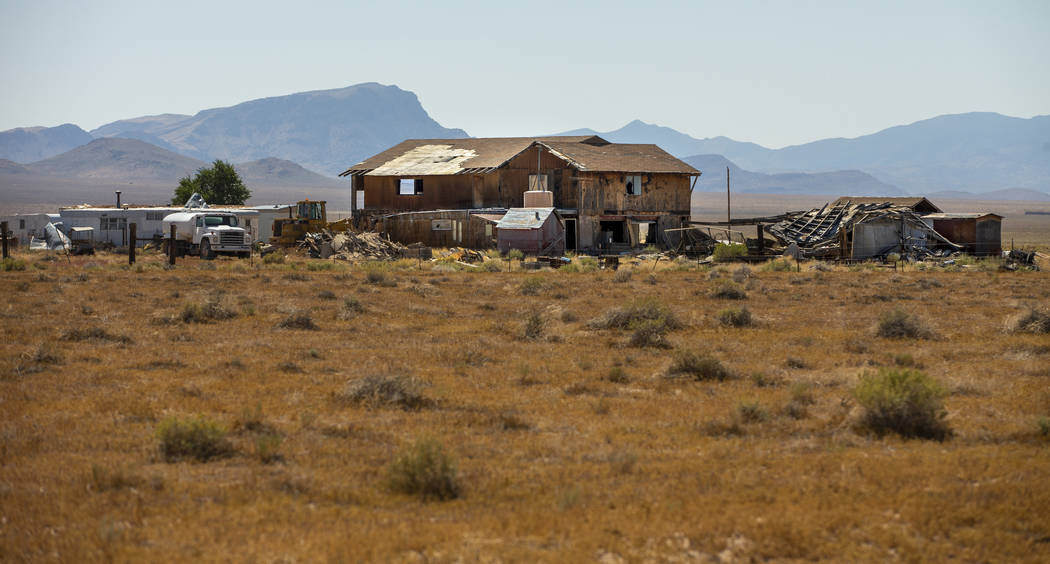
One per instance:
(206, 253)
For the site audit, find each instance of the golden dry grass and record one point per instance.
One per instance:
(570, 445)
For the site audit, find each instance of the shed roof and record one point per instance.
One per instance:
(917, 203)
(961, 215)
(421, 157)
(524, 218)
(618, 157)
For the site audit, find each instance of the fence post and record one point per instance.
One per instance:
(3, 228)
(131, 243)
(171, 247)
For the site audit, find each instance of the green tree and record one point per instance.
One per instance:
(219, 185)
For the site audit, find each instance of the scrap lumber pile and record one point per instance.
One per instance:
(821, 232)
(349, 245)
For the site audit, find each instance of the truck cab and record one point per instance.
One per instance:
(207, 233)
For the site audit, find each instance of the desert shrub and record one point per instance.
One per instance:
(424, 469)
(511, 421)
(622, 276)
(569, 316)
(197, 438)
(727, 252)
(94, 334)
(735, 317)
(636, 314)
(326, 295)
(12, 264)
(298, 320)
(273, 258)
(379, 278)
(801, 398)
(207, 311)
(750, 412)
(534, 326)
(899, 324)
(698, 366)
(726, 290)
(532, 286)
(650, 333)
(515, 254)
(1042, 426)
(617, 375)
(763, 380)
(491, 266)
(46, 354)
(267, 448)
(351, 307)
(587, 264)
(385, 390)
(903, 401)
(795, 362)
(1036, 321)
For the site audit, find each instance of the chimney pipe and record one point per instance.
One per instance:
(118, 198)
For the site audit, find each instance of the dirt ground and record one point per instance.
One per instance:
(571, 442)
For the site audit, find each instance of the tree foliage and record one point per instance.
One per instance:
(219, 185)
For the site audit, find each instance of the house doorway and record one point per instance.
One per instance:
(613, 232)
(570, 234)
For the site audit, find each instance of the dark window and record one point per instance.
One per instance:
(634, 185)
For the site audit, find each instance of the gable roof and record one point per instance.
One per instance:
(618, 157)
(917, 203)
(421, 157)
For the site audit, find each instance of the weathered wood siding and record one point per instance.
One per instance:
(606, 193)
(466, 229)
(514, 179)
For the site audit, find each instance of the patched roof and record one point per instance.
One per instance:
(961, 215)
(524, 218)
(422, 157)
(618, 157)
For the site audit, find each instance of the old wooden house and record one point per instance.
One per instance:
(609, 195)
(979, 233)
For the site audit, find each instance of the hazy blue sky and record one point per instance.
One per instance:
(776, 73)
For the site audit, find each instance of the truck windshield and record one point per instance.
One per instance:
(213, 220)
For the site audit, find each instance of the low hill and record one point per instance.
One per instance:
(29, 144)
(147, 174)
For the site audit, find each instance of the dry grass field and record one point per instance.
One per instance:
(585, 416)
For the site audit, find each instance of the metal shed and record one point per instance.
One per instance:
(536, 231)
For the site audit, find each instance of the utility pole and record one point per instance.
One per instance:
(729, 214)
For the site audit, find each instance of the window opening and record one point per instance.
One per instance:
(634, 185)
(410, 186)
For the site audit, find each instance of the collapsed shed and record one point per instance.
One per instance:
(849, 230)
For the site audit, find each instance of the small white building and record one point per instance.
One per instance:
(24, 227)
(267, 214)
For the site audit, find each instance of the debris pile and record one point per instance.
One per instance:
(349, 245)
(864, 230)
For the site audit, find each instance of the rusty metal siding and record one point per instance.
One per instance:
(961, 231)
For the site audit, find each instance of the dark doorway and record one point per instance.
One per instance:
(613, 231)
(570, 234)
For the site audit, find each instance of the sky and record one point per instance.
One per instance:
(774, 73)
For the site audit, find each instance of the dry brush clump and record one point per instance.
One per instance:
(424, 469)
(197, 438)
(649, 319)
(698, 366)
(97, 334)
(1033, 320)
(899, 324)
(727, 290)
(211, 309)
(298, 320)
(385, 390)
(736, 317)
(903, 401)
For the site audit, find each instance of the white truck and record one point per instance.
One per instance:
(207, 233)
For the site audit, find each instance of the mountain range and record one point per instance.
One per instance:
(296, 144)
(977, 152)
